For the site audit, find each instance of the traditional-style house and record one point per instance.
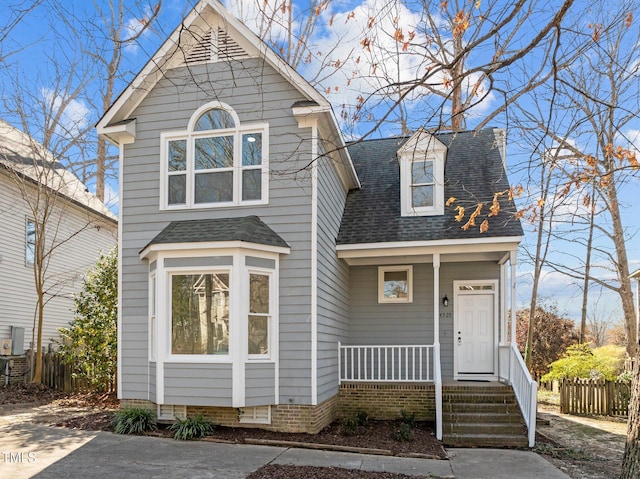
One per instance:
(273, 275)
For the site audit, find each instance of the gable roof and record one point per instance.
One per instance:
(191, 41)
(24, 156)
(474, 171)
(249, 229)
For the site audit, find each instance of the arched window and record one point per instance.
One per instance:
(217, 162)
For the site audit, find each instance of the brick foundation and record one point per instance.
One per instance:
(284, 417)
(387, 401)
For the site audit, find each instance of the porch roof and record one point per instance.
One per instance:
(474, 172)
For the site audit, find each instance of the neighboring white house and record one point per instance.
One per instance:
(79, 228)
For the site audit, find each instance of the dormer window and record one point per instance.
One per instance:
(217, 162)
(422, 175)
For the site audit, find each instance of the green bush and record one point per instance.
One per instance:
(362, 417)
(133, 421)
(90, 343)
(408, 418)
(404, 432)
(580, 361)
(350, 425)
(192, 428)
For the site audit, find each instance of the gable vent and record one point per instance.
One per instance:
(226, 48)
(201, 52)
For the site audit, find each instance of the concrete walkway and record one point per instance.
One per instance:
(36, 450)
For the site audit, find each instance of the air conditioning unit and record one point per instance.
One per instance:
(5, 347)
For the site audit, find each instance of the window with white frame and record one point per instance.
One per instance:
(30, 241)
(259, 320)
(422, 176)
(221, 313)
(217, 161)
(200, 313)
(153, 323)
(395, 284)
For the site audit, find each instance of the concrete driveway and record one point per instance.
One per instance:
(30, 449)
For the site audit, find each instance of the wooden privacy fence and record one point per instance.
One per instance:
(59, 375)
(594, 396)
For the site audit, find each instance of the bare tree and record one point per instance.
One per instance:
(104, 34)
(30, 155)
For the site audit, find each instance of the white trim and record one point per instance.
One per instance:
(189, 136)
(204, 249)
(120, 134)
(314, 265)
(119, 324)
(422, 147)
(469, 243)
(391, 269)
(458, 292)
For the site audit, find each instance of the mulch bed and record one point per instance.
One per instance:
(274, 471)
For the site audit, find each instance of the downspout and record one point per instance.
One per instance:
(436, 344)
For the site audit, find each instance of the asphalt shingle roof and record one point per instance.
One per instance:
(473, 173)
(248, 228)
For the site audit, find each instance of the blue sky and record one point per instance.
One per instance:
(33, 44)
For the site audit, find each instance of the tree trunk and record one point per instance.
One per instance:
(587, 267)
(631, 460)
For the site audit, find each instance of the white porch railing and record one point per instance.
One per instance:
(386, 363)
(525, 388)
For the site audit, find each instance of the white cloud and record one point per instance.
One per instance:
(74, 118)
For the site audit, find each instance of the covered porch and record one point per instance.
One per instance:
(470, 343)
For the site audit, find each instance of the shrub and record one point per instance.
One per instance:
(350, 425)
(133, 421)
(408, 418)
(404, 432)
(362, 417)
(192, 428)
(580, 361)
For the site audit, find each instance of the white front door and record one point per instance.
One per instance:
(475, 330)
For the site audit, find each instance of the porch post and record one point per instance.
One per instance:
(437, 375)
(513, 259)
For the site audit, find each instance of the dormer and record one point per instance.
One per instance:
(422, 160)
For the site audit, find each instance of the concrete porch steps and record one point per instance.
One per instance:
(482, 416)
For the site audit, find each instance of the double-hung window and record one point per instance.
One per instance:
(422, 160)
(217, 162)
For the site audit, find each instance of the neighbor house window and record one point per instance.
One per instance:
(395, 284)
(217, 162)
(30, 242)
(200, 313)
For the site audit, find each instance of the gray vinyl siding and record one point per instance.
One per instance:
(333, 279)
(260, 384)
(197, 384)
(79, 242)
(411, 323)
(390, 323)
(257, 93)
